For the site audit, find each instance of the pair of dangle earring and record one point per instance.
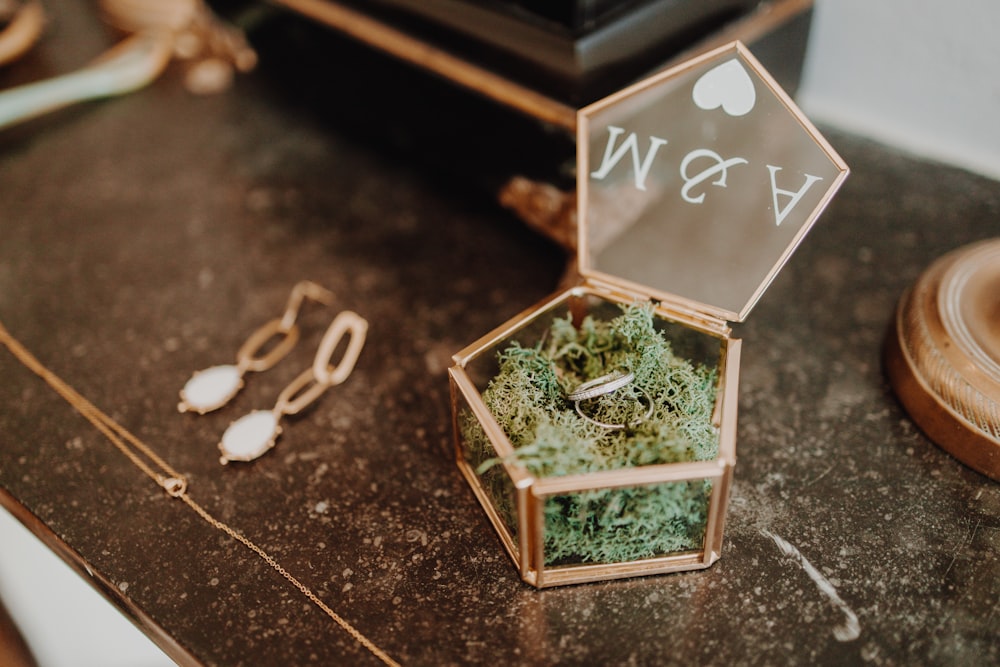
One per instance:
(254, 434)
(212, 388)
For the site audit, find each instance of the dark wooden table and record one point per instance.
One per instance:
(145, 237)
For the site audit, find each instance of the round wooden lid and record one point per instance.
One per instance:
(943, 354)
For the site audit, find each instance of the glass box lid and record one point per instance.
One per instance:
(697, 184)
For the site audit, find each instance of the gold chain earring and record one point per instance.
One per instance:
(211, 388)
(255, 433)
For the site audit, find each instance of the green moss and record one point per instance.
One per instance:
(527, 398)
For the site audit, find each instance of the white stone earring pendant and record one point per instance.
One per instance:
(210, 389)
(252, 435)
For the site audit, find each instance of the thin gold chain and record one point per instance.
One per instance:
(170, 480)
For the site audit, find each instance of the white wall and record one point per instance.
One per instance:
(921, 75)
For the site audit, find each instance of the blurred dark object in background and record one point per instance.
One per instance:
(484, 90)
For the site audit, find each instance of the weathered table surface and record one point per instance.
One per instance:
(145, 237)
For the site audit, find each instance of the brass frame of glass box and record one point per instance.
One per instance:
(527, 549)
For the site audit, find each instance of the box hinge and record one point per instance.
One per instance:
(672, 308)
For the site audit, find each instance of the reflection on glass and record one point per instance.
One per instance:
(701, 185)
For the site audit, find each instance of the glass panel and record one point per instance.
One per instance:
(700, 184)
(481, 457)
(619, 525)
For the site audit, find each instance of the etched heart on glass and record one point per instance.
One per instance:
(728, 86)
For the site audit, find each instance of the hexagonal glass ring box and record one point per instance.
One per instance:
(598, 429)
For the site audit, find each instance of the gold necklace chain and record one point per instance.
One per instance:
(170, 480)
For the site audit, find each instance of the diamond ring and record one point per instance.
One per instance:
(606, 384)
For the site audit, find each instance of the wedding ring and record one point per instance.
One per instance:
(618, 427)
(600, 386)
